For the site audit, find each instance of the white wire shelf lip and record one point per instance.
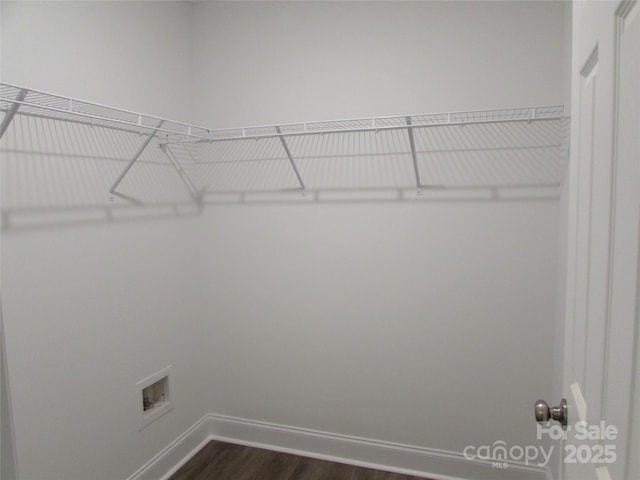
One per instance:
(35, 102)
(399, 122)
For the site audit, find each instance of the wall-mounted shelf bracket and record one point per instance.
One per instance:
(412, 144)
(133, 160)
(6, 121)
(290, 157)
(196, 194)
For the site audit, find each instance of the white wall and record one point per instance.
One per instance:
(133, 55)
(410, 323)
(427, 324)
(7, 443)
(91, 309)
(416, 323)
(269, 62)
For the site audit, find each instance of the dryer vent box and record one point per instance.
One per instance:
(155, 396)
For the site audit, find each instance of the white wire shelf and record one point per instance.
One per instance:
(527, 114)
(47, 105)
(512, 147)
(66, 108)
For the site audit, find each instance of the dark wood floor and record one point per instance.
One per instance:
(226, 461)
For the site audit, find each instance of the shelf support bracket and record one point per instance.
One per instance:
(8, 117)
(290, 157)
(133, 160)
(412, 143)
(193, 191)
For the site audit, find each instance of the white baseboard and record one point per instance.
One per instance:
(393, 457)
(177, 453)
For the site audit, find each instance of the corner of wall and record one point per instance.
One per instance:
(8, 463)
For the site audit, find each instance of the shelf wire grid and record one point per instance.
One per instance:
(481, 154)
(515, 147)
(46, 105)
(52, 164)
(66, 108)
(545, 112)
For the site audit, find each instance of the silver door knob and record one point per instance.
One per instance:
(544, 413)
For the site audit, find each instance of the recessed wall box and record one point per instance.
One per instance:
(154, 396)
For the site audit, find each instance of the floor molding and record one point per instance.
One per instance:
(394, 457)
(177, 453)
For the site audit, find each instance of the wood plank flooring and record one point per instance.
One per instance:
(226, 461)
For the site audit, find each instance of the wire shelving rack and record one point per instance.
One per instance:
(419, 151)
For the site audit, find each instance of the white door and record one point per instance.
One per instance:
(604, 214)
